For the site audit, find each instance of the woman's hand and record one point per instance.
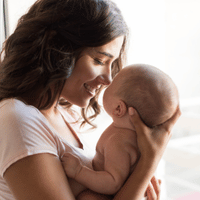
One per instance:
(152, 141)
(152, 144)
(153, 189)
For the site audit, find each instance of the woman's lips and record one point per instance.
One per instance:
(90, 89)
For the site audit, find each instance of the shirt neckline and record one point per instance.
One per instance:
(52, 128)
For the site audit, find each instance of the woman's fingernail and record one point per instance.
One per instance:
(131, 111)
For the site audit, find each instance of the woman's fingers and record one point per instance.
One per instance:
(136, 121)
(170, 123)
(157, 186)
(151, 194)
(153, 190)
(147, 143)
(152, 142)
(142, 128)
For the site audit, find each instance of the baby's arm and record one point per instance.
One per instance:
(117, 164)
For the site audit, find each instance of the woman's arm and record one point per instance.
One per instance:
(152, 143)
(40, 177)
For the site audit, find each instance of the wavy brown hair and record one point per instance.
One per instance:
(40, 55)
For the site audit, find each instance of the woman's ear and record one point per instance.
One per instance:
(120, 109)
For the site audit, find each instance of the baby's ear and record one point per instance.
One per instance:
(120, 109)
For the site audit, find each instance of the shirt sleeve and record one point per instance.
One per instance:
(23, 132)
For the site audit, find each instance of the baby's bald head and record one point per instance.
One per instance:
(150, 91)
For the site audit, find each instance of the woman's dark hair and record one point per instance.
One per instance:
(40, 55)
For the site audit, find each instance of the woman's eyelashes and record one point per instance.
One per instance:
(98, 61)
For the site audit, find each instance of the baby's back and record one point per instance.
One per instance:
(113, 137)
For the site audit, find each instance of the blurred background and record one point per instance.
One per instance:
(166, 34)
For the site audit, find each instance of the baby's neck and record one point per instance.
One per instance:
(123, 123)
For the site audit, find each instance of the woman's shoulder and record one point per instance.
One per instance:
(23, 132)
(15, 108)
(5, 103)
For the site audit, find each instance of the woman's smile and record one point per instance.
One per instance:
(91, 90)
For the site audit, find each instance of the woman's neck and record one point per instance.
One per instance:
(51, 112)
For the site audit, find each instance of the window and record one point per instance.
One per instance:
(3, 13)
(165, 33)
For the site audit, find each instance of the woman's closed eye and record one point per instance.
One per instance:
(98, 61)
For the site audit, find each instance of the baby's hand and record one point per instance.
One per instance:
(71, 164)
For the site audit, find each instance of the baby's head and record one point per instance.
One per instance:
(149, 90)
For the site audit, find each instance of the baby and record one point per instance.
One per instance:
(154, 95)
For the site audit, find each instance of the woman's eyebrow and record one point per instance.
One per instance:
(105, 53)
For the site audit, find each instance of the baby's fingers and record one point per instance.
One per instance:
(70, 159)
(66, 156)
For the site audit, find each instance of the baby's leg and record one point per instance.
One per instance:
(88, 194)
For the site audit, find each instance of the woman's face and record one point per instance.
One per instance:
(92, 69)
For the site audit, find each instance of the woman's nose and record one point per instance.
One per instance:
(105, 79)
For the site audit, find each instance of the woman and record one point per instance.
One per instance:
(62, 53)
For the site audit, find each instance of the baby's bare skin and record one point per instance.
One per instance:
(148, 90)
(113, 137)
(76, 187)
(116, 156)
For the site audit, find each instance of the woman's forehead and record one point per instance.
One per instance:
(111, 49)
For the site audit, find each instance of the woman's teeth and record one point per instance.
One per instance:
(90, 89)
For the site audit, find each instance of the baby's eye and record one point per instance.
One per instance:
(97, 61)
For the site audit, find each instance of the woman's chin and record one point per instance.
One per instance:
(83, 104)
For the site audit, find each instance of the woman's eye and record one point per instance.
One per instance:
(99, 62)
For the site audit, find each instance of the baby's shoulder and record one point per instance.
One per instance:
(117, 137)
(126, 135)
(128, 139)
(122, 137)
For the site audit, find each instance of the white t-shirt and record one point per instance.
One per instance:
(24, 131)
